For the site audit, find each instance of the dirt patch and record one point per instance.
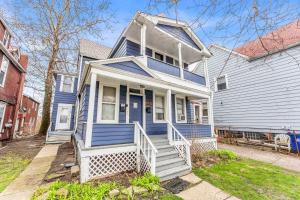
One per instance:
(204, 160)
(58, 170)
(27, 148)
(120, 178)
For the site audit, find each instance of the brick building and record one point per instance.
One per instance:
(12, 74)
(27, 117)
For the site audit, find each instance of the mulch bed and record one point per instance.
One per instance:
(204, 160)
(120, 178)
(27, 148)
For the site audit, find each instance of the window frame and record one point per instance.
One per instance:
(62, 83)
(184, 106)
(216, 83)
(154, 107)
(200, 112)
(7, 37)
(5, 73)
(3, 115)
(100, 101)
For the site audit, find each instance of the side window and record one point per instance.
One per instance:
(3, 70)
(67, 84)
(169, 60)
(221, 83)
(159, 56)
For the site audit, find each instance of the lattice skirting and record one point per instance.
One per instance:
(145, 165)
(203, 145)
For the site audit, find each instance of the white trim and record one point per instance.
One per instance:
(100, 98)
(180, 61)
(6, 70)
(184, 107)
(62, 80)
(143, 40)
(154, 108)
(60, 105)
(3, 115)
(229, 51)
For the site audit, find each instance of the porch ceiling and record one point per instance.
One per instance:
(158, 40)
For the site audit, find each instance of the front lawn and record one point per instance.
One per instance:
(11, 165)
(250, 179)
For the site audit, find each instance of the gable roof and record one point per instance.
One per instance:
(92, 49)
(277, 40)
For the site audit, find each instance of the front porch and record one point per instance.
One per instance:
(121, 117)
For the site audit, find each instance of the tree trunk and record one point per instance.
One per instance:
(48, 93)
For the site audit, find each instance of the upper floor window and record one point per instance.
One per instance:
(169, 60)
(67, 84)
(159, 56)
(109, 104)
(6, 39)
(159, 108)
(221, 83)
(3, 70)
(180, 110)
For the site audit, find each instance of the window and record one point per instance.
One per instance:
(176, 63)
(6, 39)
(204, 110)
(2, 111)
(221, 83)
(3, 70)
(159, 102)
(185, 66)
(180, 110)
(159, 56)
(67, 84)
(169, 60)
(109, 104)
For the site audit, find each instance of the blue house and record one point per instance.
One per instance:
(137, 106)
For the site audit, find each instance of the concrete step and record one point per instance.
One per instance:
(169, 163)
(166, 155)
(173, 172)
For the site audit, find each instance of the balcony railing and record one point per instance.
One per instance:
(174, 71)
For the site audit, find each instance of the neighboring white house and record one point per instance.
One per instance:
(257, 88)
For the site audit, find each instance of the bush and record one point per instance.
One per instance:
(170, 197)
(147, 181)
(223, 154)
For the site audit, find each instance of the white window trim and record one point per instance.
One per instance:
(7, 39)
(57, 115)
(61, 83)
(165, 107)
(4, 78)
(1, 123)
(216, 82)
(184, 105)
(200, 112)
(100, 97)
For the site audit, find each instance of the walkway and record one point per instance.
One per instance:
(281, 160)
(24, 186)
(202, 190)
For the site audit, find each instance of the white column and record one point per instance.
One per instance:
(180, 60)
(169, 113)
(143, 39)
(206, 72)
(90, 118)
(210, 113)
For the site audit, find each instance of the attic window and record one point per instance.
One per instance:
(222, 83)
(159, 56)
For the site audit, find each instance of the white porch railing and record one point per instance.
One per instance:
(146, 147)
(181, 144)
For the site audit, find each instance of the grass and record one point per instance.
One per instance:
(11, 165)
(250, 179)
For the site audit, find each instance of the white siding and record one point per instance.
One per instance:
(263, 95)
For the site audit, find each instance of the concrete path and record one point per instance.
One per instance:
(24, 186)
(284, 161)
(202, 190)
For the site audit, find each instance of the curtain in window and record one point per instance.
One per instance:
(159, 108)
(67, 84)
(108, 103)
(180, 109)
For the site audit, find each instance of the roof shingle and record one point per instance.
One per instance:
(93, 50)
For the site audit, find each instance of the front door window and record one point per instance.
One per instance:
(64, 117)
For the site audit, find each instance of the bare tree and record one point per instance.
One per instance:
(49, 32)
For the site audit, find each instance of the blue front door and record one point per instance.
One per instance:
(136, 109)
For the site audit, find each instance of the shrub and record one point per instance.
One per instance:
(169, 197)
(147, 181)
(223, 154)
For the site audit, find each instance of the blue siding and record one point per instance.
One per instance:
(83, 111)
(64, 98)
(128, 48)
(153, 128)
(130, 67)
(110, 134)
(193, 77)
(178, 33)
(163, 67)
(123, 93)
(194, 130)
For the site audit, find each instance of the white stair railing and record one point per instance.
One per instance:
(144, 146)
(181, 144)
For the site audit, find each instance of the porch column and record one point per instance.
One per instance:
(180, 60)
(169, 113)
(90, 120)
(143, 39)
(206, 72)
(210, 113)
